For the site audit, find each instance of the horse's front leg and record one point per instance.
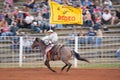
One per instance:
(48, 65)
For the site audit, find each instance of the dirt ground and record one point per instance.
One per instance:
(45, 74)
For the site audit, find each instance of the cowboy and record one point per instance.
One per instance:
(49, 40)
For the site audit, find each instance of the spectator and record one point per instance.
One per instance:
(99, 37)
(71, 37)
(97, 22)
(39, 16)
(108, 3)
(97, 2)
(6, 8)
(45, 12)
(81, 37)
(20, 14)
(8, 19)
(35, 26)
(92, 7)
(14, 29)
(20, 19)
(6, 30)
(44, 25)
(44, 2)
(39, 9)
(116, 16)
(48, 14)
(13, 19)
(86, 2)
(1, 31)
(30, 4)
(27, 45)
(9, 2)
(90, 36)
(40, 20)
(35, 6)
(28, 20)
(2, 22)
(1, 15)
(15, 43)
(118, 53)
(25, 9)
(84, 8)
(16, 11)
(98, 10)
(106, 17)
(87, 19)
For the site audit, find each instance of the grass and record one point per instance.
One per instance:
(112, 65)
(59, 64)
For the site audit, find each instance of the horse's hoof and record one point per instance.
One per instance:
(53, 71)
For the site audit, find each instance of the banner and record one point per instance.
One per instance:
(61, 14)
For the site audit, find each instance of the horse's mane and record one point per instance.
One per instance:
(39, 40)
(42, 41)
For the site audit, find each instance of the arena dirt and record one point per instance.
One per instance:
(45, 74)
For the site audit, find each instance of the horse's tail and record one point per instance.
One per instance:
(77, 56)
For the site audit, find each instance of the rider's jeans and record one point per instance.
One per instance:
(49, 47)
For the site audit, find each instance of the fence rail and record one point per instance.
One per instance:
(16, 52)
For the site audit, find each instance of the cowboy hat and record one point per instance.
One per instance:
(50, 30)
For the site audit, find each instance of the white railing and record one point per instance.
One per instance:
(17, 55)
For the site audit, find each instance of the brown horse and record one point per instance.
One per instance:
(57, 53)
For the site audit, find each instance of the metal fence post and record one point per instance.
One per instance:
(21, 52)
(76, 49)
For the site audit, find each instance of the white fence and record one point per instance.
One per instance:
(15, 52)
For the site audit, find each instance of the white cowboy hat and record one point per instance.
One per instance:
(50, 30)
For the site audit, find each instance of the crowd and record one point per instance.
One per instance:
(22, 18)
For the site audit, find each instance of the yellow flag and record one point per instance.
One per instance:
(61, 14)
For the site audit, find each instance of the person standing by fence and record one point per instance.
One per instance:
(90, 36)
(118, 53)
(99, 37)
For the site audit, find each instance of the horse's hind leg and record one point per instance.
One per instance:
(48, 65)
(64, 67)
(69, 66)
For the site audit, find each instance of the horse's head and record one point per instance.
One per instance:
(36, 43)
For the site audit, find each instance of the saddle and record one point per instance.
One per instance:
(54, 53)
